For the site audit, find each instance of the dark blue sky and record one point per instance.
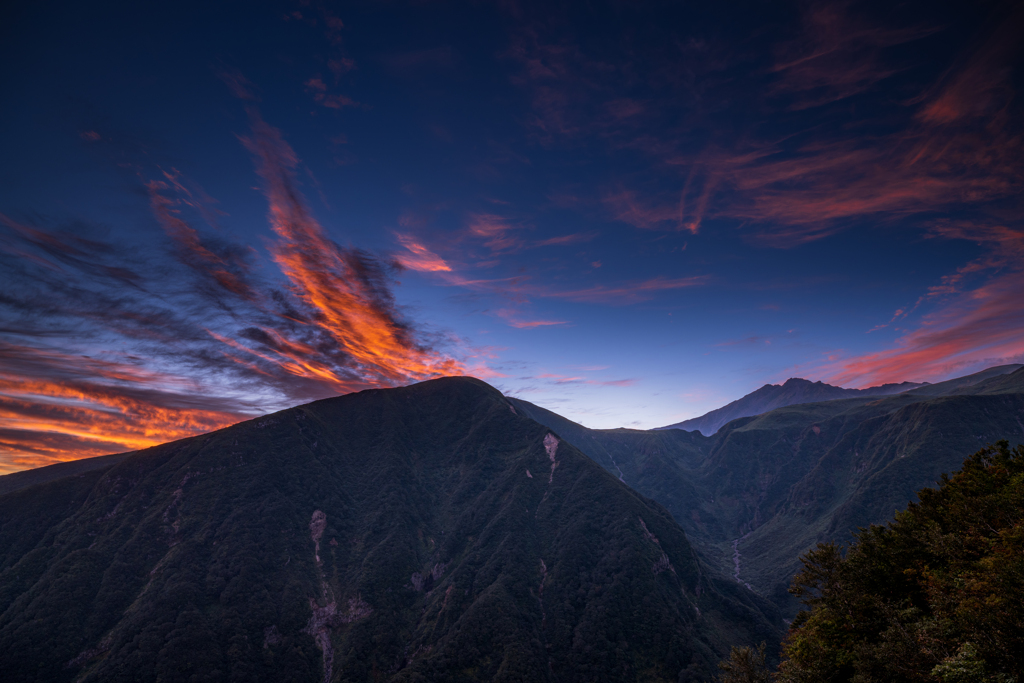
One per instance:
(630, 213)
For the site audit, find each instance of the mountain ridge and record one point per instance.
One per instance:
(765, 489)
(427, 533)
(795, 391)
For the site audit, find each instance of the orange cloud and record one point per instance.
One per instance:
(56, 407)
(985, 327)
(234, 346)
(419, 257)
(350, 309)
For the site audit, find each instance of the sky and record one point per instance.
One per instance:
(629, 213)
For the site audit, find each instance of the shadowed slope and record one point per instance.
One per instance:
(41, 475)
(427, 533)
(765, 489)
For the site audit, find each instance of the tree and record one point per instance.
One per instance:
(745, 665)
(936, 596)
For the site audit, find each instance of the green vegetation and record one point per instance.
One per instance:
(439, 533)
(766, 489)
(745, 665)
(415, 534)
(937, 595)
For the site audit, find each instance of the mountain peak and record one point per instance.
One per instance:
(793, 391)
(422, 531)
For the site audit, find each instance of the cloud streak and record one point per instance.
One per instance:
(350, 312)
(168, 349)
(56, 406)
(979, 324)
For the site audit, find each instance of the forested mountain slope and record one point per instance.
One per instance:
(936, 596)
(428, 533)
(765, 489)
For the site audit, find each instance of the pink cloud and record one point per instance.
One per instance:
(419, 257)
(528, 324)
(622, 294)
(575, 238)
(318, 89)
(837, 56)
(563, 380)
(495, 231)
(979, 325)
(627, 207)
(512, 318)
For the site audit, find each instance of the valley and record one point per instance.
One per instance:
(765, 489)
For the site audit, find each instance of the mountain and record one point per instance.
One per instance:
(40, 475)
(772, 396)
(932, 596)
(767, 488)
(428, 533)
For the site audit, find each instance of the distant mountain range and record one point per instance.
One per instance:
(428, 533)
(772, 396)
(764, 489)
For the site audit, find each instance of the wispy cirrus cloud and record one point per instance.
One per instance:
(496, 232)
(351, 312)
(54, 405)
(318, 89)
(514, 319)
(419, 257)
(620, 294)
(838, 55)
(567, 380)
(833, 150)
(974, 323)
(164, 349)
(808, 170)
(983, 327)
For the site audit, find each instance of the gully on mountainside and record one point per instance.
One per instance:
(325, 618)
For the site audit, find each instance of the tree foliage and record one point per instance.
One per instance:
(937, 595)
(745, 665)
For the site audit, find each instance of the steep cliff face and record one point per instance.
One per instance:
(393, 535)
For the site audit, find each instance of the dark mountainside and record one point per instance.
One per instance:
(772, 396)
(933, 596)
(427, 533)
(765, 489)
(41, 475)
